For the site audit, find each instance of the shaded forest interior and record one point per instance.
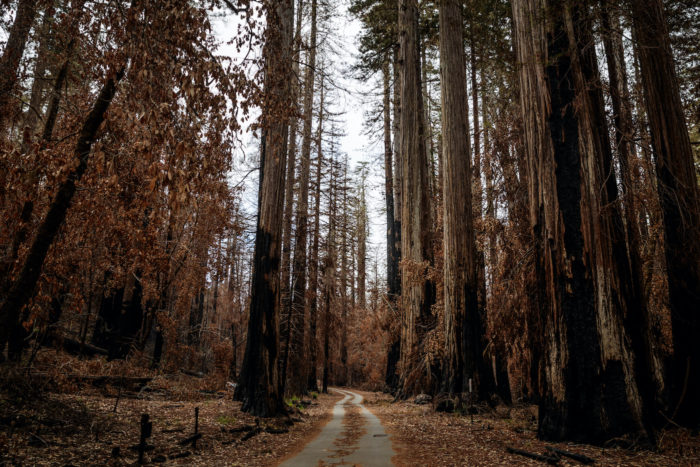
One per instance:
(534, 170)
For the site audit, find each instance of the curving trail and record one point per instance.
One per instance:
(353, 437)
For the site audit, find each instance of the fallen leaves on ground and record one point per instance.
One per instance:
(84, 429)
(423, 437)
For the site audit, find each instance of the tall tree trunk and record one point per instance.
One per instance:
(259, 386)
(461, 309)
(297, 377)
(362, 247)
(23, 288)
(417, 290)
(392, 260)
(343, 281)
(11, 57)
(551, 142)
(562, 151)
(476, 172)
(677, 181)
(329, 277)
(394, 287)
(398, 165)
(392, 254)
(312, 384)
(618, 296)
(427, 127)
(647, 363)
(289, 205)
(486, 363)
(477, 199)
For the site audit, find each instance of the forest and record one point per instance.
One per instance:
(350, 232)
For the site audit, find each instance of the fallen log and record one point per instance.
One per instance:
(572, 455)
(72, 346)
(100, 380)
(531, 455)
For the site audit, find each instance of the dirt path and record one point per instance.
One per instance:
(353, 437)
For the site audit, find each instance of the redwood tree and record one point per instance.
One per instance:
(259, 385)
(677, 182)
(297, 368)
(461, 311)
(417, 289)
(587, 393)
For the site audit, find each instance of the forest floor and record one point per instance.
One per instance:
(423, 437)
(48, 421)
(85, 425)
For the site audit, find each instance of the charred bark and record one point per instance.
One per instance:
(618, 293)
(259, 387)
(677, 183)
(586, 391)
(289, 205)
(638, 322)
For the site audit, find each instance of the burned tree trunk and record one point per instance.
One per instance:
(361, 237)
(341, 379)
(291, 163)
(259, 386)
(40, 81)
(618, 295)
(119, 319)
(648, 367)
(286, 267)
(297, 376)
(677, 182)
(586, 393)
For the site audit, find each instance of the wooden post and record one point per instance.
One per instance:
(196, 427)
(146, 430)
